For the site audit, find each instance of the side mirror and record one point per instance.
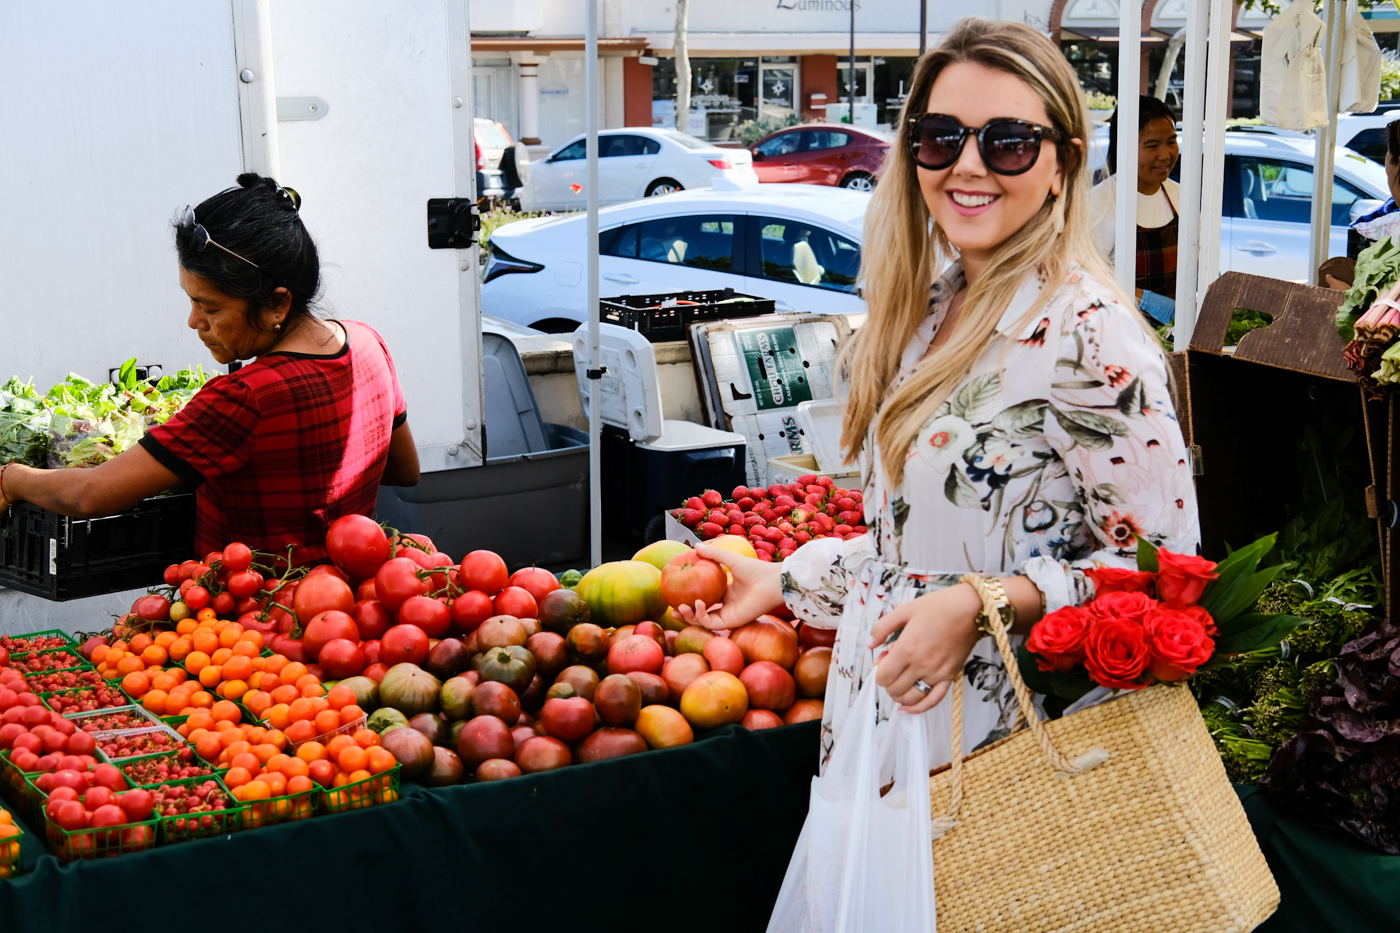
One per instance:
(758, 156)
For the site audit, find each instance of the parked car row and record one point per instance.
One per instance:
(800, 243)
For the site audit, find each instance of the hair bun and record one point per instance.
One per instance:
(254, 180)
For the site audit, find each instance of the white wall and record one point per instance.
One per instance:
(114, 116)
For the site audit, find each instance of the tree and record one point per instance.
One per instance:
(682, 66)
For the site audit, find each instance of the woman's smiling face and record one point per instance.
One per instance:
(977, 209)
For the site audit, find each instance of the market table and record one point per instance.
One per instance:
(692, 838)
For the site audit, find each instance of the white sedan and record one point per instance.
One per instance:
(796, 244)
(634, 162)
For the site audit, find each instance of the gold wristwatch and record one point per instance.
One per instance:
(990, 588)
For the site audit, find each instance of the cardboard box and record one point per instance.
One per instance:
(1244, 408)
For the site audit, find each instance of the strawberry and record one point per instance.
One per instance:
(787, 544)
(695, 502)
(709, 530)
(691, 517)
(735, 516)
(765, 556)
(784, 555)
(831, 509)
(826, 481)
(814, 488)
(806, 479)
(718, 516)
(750, 520)
(826, 521)
(736, 529)
(784, 509)
(801, 537)
(843, 530)
(813, 499)
(745, 504)
(784, 501)
(773, 534)
(765, 545)
(844, 503)
(776, 490)
(859, 529)
(849, 518)
(768, 514)
(854, 495)
(712, 498)
(740, 492)
(785, 527)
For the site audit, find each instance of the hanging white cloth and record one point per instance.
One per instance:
(1293, 74)
(1361, 63)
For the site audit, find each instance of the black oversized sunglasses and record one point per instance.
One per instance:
(1008, 146)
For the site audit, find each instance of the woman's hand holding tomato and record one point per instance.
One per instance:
(755, 587)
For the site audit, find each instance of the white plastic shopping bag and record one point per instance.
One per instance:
(864, 863)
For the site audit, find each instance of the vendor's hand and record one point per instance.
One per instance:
(938, 633)
(756, 588)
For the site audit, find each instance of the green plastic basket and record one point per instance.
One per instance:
(288, 808)
(9, 853)
(53, 632)
(375, 789)
(79, 663)
(145, 718)
(127, 762)
(82, 844)
(126, 701)
(183, 828)
(154, 729)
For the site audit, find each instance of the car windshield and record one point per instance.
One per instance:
(689, 142)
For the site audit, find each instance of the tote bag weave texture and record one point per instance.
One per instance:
(1152, 839)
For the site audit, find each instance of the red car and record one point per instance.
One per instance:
(822, 154)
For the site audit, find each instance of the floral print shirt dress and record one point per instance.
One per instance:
(1057, 450)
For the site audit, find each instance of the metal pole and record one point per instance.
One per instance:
(851, 96)
(1129, 81)
(1192, 117)
(923, 27)
(1325, 151)
(595, 420)
(1213, 161)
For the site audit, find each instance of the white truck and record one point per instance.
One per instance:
(117, 115)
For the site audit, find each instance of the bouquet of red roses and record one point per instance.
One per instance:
(1161, 623)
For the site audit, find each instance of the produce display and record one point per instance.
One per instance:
(777, 520)
(80, 423)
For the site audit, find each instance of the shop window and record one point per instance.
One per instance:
(893, 75)
(702, 241)
(1271, 189)
(805, 254)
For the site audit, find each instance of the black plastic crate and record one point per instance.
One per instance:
(60, 558)
(669, 316)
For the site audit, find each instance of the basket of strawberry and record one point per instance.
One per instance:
(161, 769)
(41, 641)
(57, 659)
(118, 746)
(194, 809)
(54, 681)
(778, 519)
(84, 699)
(117, 720)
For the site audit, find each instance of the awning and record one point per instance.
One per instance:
(628, 45)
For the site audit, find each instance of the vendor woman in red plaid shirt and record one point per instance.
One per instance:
(282, 447)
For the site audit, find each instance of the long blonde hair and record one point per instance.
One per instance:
(903, 243)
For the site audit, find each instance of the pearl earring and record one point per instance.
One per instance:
(277, 326)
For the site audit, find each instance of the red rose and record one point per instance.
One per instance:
(1129, 606)
(1116, 653)
(1058, 638)
(1201, 616)
(1179, 643)
(1182, 578)
(1117, 580)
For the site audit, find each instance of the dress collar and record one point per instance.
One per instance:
(941, 294)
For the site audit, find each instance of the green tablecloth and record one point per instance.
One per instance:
(1328, 881)
(695, 838)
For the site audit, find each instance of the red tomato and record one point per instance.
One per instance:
(396, 581)
(187, 569)
(251, 622)
(245, 583)
(428, 614)
(404, 643)
(71, 815)
(224, 604)
(237, 557)
(357, 545)
(153, 608)
(327, 568)
(485, 571)
(213, 557)
(321, 592)
(516, 601)
(537, 581)
(371, 650)
(470, 610)
(326, 626)
(172, 575)
(196, 597)
(688, 577)
(372, 619)
(375, 671)
(340, 658)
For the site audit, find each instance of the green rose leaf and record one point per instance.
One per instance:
(1089, 429)
(1133, 399)
(961, 492)
(1024, 419)
(973, 402)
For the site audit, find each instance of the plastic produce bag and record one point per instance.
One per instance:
(864, 863)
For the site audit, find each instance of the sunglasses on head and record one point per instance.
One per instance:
(1008, 146)
(202, 239)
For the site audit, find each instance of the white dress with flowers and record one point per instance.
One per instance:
(1057, 450)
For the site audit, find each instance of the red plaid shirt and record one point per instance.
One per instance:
(286, 445)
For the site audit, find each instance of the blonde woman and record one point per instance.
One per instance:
(1011, 415)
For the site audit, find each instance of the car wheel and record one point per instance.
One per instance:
(556, 325)
(663, 186)
(859, 181)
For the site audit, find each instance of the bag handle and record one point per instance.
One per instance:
(1064, 767)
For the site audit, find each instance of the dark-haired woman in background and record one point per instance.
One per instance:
(1158, 200)
(279, 449)
(1340, 271)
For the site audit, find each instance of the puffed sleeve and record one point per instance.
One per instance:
(1111, 421)
(817, 576)
(210, 436)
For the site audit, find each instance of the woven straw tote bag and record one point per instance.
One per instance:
(1139, 834)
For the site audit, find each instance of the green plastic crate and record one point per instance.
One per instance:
(9, 853)
(375, 789)
(82, 844)
(53, 631)
(125, 763)
(128, 701)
